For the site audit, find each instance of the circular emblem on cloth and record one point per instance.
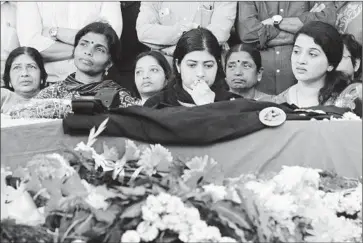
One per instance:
(272, 116)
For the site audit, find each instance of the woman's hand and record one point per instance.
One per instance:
(201, 93)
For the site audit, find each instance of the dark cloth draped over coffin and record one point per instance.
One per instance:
(200, 125)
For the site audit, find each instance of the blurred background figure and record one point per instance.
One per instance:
(123, 73)
(271, 27)
(9, 37)
(351, 62)
(349, 18)
(161, 24)
(50, 27)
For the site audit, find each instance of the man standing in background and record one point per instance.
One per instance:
(271, 26)
(9, 37)
(123, 73)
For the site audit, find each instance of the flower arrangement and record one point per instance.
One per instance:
(42, 108)
(146, 195)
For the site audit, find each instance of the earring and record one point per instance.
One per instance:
(330, 68)
(106, 71)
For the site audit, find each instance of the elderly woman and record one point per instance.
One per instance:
(96, 49)
(318, 50)
(152, 73)
(244, 71)
(199, 77)
(24, 77)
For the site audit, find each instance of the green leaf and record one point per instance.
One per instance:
(176, 168)
(93, 135)
(233, 213)
(132, 191)
(133, 211)
(107, 216)
(84, 226)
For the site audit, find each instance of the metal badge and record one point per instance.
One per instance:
(272, 116)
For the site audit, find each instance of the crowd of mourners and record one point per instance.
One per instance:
(165, 54)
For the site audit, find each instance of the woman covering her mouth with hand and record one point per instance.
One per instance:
(199, 77)
(96, 49)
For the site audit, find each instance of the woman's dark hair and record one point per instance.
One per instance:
(113, 41)
(160, 59)
(355, 50)
(329, 39)
(31, 52)
(250, 49)
(199, 39)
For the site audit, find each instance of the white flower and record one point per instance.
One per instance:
(147, 231)
(154, 204)
(164, 198)
(217, 192)
(66, 169)
(182, 228)
(97, 195)
(174, 205)
(47, 166)
(191, 215)
(154, 156)
(184, 237)
(130, 236)
(227, 239)
(171, 221)
(199, 228)
(132, 152)
(160, 224)
(213, 233)
(290, 177)
(197, 164)
(97, 200)
(86, 150)
(149, 215)
(350, 116)
(17, 204)
(90, 153)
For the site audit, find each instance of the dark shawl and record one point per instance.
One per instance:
(199, 125)
(170, 96)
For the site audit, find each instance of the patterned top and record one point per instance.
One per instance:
(349, 19)
(347, 98)
(71, 88)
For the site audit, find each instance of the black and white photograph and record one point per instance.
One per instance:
(181, 121)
